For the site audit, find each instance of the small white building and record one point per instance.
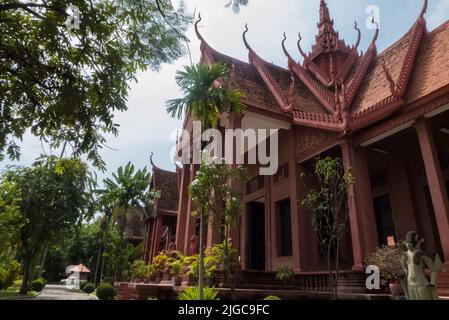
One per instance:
(76, 274)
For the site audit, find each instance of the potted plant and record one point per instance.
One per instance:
(175, 270)
(388, 260)
(159, 265)
(285, 274)
(189, 270)
(139, 271)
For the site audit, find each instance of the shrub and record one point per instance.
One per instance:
(140, 269)
(175, 268)
(285, 274)
(83, 284)
(37, 285)
(105, 292)
(160, 262)
(388, 260)
(88, 287)
(272, 298)
(9, 272)
(193, 293)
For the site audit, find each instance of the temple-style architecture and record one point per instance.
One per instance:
(161, 229)
(386, 114)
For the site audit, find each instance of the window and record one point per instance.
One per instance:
(255, 184)
(284, 222)
(281, 174)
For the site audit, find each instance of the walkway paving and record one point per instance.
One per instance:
(59, 292)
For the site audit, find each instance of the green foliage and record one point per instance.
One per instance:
(193, 293)
(37, 285)
(285, 274)
(160, 262)
(329, 207)
(202, 98)
(190, 266)
(11, 221)
(53, 198)
(88, 288)
(127, 194)
(140, 269)
(388, 260)
(272, 298)
(105, 291)
(65, 85)
(9, 272)
(83, 284)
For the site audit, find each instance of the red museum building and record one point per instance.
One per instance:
(385, 114)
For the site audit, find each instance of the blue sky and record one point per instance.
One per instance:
(146, 127)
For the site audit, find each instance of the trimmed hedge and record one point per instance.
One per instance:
(105, 292)
(37, 285)
(88, 287)
(83, 284)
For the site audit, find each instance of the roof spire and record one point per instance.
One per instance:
(324, 13)
(327, 37)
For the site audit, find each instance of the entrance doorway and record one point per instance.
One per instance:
(256, 235)
(384, 219)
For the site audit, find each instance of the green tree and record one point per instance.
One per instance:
(328, 204)
(217, 192)
(64, 84)
(53, 198)
(11, 221)
(207, 94)
(128, 189)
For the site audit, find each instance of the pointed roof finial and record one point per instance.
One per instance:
(198, 34)
(376, 34)
(359, 36)
(285, 49)
(244, 37)
(325, 16)
(151, 159)
(299, 46)
(424, 8)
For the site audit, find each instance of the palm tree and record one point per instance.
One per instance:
(128, 189)
(207, 95)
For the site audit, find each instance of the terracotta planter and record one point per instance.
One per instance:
(166, 276)
(396, 289)
(158, 277)
(189, 280)
(177, 281)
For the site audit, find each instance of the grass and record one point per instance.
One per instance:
(13, 294)
(93, 294)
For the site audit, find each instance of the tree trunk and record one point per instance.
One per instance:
(44, 257)
(337, 268)
(201, 262)
(27, 264)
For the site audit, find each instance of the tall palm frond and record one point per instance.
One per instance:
(207, 94)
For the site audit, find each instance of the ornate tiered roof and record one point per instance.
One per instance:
(167, 183)
(336, 88)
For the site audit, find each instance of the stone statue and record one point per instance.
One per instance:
(417, 286)
(194, 245)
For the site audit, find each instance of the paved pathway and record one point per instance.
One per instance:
(59, 292)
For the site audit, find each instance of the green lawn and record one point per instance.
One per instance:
(13, 294)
